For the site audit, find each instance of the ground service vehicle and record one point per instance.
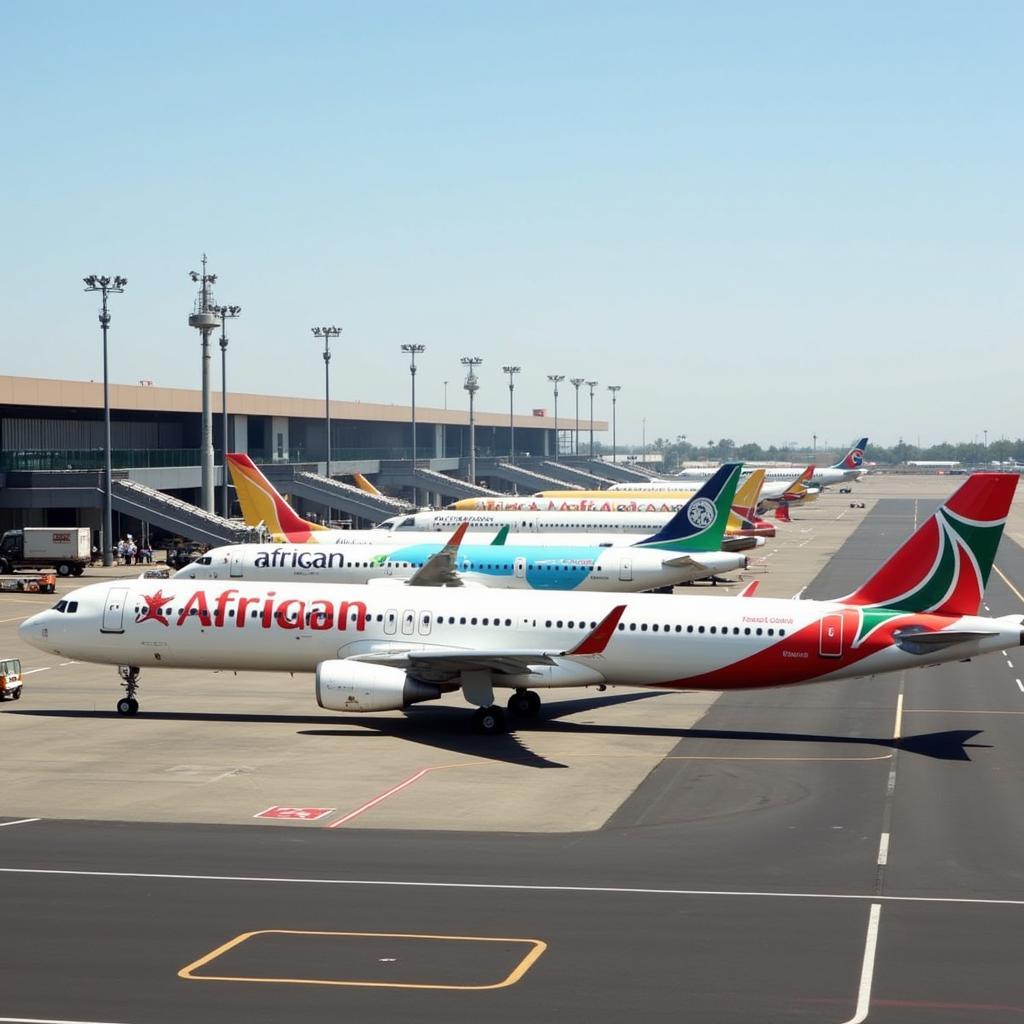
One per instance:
(45, 584)
(66, 549)
(10, 679)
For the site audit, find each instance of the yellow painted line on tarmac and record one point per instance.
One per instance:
(1006, 580)
(537, 948)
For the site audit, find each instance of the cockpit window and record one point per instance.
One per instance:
(72, 607)
(60, 606)
(205, 560)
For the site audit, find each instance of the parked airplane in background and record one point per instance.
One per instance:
(381, 648)
(687, 549)
(262, 505)
(849, 467)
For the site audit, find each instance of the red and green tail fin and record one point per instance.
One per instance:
(944, 567)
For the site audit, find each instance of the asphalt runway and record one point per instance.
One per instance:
(843, 852)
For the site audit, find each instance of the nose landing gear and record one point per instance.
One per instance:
(128, 705)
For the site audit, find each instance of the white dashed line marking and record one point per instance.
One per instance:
(1020, 686)
(883, 849)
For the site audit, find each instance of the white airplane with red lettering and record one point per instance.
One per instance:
(379, 648)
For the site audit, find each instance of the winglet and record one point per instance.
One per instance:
(597, 639)
(500, 537)
(748, 590)
(452, 547)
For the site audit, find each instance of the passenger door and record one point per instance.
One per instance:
(113, 611)
(408, 621)
(519, 568)
(625, 567)
(236, 565)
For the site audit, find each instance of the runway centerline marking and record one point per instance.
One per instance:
(611, 890)
(867, 969)
(898, 723)
(20, 821)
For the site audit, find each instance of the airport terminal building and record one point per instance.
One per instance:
(52, 451)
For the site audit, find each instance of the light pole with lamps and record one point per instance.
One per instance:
(511, 371)
(106, 285)
(472, 385)
(576, 382)
(614, 389)
(591, 384)
(556, 379)
(413, 350)
(327, 333)
(225, 313)
(204, 320)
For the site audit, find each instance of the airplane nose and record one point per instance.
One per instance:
(33, 629)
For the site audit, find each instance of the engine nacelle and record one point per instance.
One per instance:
(358, 686)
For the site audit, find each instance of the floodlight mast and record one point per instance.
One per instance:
(511, 371)
(327, 333)
(204, 320)
(556, 379)
(591, 384)
(413, 350)
(225, 313)
(105, 285)
(472, 385)
(614, 389)
(576, 382)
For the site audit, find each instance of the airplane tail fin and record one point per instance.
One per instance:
(782, 513)
(261, 502)
(364, 485)
(796, 490)
(748, 494)
(854, 458)
(945, 565)
(700, 524)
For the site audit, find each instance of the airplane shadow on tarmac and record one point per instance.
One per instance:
(447, 728)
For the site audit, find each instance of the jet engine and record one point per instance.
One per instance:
(358, 686)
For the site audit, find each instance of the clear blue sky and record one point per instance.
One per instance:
(762, 220)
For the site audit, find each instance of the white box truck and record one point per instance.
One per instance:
(68, 550)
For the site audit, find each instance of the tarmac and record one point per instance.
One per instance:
(671, 856)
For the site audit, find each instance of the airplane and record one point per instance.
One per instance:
(668, 497)
(849, 467)
(744, 520)
(686, 549)
(263, 506)
(379, 649)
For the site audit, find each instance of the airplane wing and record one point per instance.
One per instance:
(434, 664)
(439, 569)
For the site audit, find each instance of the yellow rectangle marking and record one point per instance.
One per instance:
(537, 947)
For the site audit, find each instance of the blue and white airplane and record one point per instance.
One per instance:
(687, 548)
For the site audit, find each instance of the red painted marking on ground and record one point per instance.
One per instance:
(395, 789)
(296, 813)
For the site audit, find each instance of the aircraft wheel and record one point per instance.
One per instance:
(124, 706)
(524, 703)
(489, 721)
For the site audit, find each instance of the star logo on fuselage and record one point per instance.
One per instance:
(153, 608)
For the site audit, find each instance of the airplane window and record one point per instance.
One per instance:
(72, 607)
(426, 619)
(472, 621)
(253, 614)
(667, 628)
(747, 631)
(735, 630)
(782, 632)
(353, 617)
(771, 632)
(486, 622)
(643, 627)
(655, 627)
(759, 630)
(559, 623)
(60, 606)
(231, 613)
(632, 627)
(508, 622)
(621, 626)
(205, 560)
(713, 629)
(700, 629)
(689, 629)
(547, 624)
(462, 621)
(570, 624)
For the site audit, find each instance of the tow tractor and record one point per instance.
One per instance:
(44, 584)
(10, 679)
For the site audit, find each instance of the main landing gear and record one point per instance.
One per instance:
(489, 721)
(128, 705)
(524, 704)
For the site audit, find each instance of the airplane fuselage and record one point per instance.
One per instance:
(691, 642)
